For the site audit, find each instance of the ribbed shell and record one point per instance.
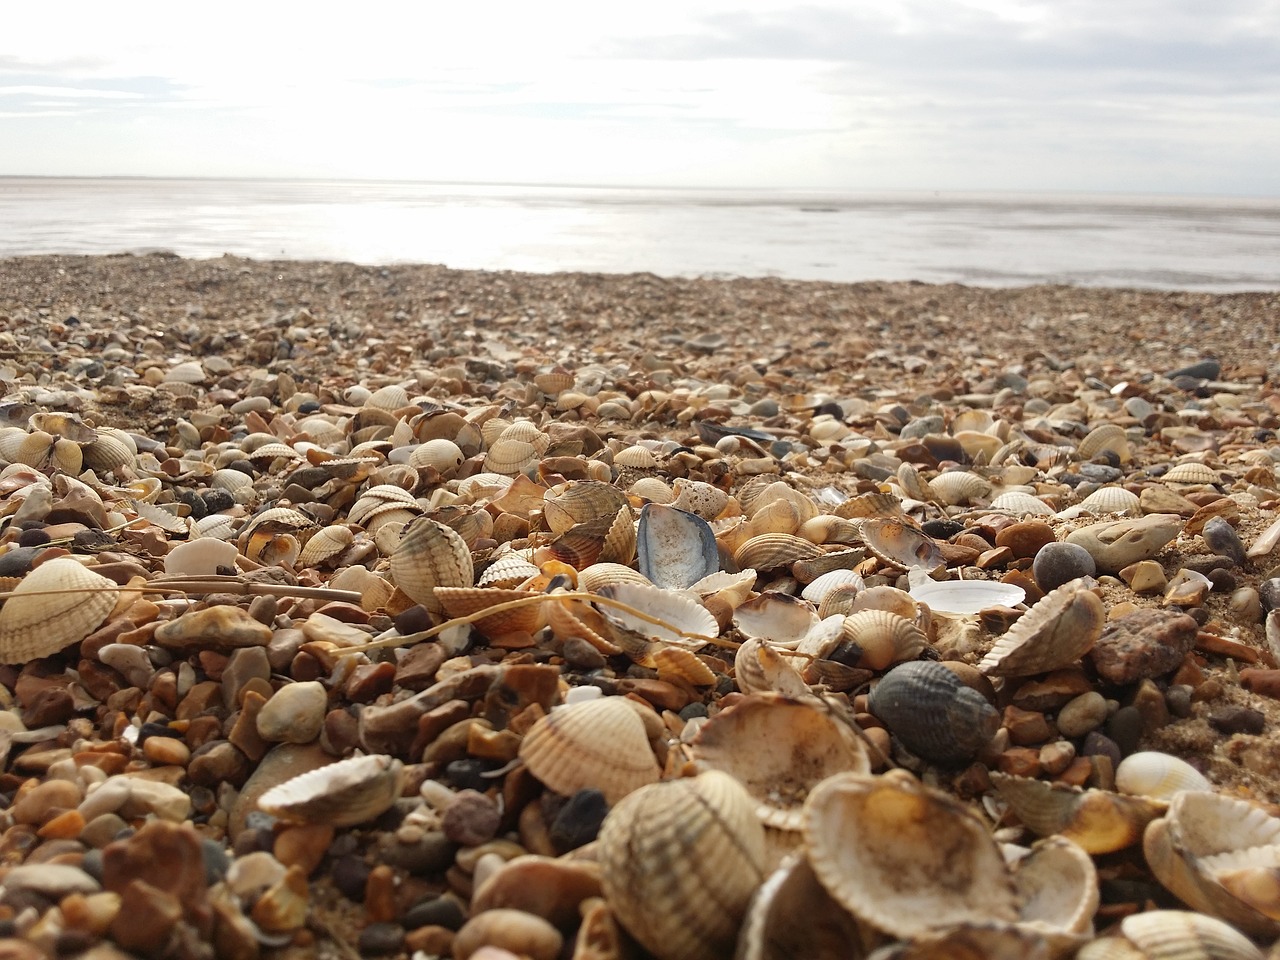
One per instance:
(1191, 472)
(1056, 632)
(770, 551)
(806, 571)
(581, 501)
(1022, 504)
(35, 623)
(904, 858)
(230, 480)
(805, 508)
(273, 451)
(430, 555)
(598, 744)
(884, 638)
(442, 455)
(508, 571)
(465, 601)
(1174, 935)
(674, 548)
(1098, 820)
(900, 545)
(759, 668)
(1112, 500)
(652, 490)
(510, 457)
(391, 397)
(680, 861)
(828, 528)
(957, 487)
(598, 575)
(777, 617)
(340, 794)
(819, 587)
(553, 381)
(793, 916)
(1107, 437)
(676, 612)
(188, 372)
(870, 506)
(935, 716)
(108, 453)
(325, 544)
(1150, 773)
(640, 458)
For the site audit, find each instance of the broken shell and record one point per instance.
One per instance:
(1098, 820)
(937, 717)
(793, 916)
(465, 601)
(759, 668)
(966, 597)
(876, 844)
(1172, 935)
(883, 638)
(901, 546)
(680, 861)
(1056, 632)
(580, 501)
(57, 604)
(699, 497)
(674, 548)
(201, 557)
(665, 616)
(777, 617)
(1057, 888)
(599, 744)
(430, 555)
(1150, 773)
(339, 794)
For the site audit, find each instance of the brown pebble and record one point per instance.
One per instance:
(433, 941)
(166, 750)
(1145, 644)
(1264, 682)
(1236, 719)
(1027, 727)
(1025, 538)
(65, 826)
(45, 801)
(147, 917)
(1150, 702)
(1056, 757)
(1020, 762)
(470, 819)
(380, 895)
(303, 846)
(370, 681)
(521, 933)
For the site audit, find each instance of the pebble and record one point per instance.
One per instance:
(444, 911)
(1083, 714)
(1115, 544)
(1222, 538)
(1058, 563)
(221, 627)
(1026, 539)
(521, 933)
(471, 819)
(294, 714)
(380, 939)
(1145, 576)
(1144, 644)
(578, 821)
(1236, 719)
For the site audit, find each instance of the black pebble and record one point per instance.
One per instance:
(1100, 745)
(942, 529)
(216, 861)
(1233, 719)
(1201, 370)
(444, 912)
(578, 821)
(466, 775)
(350, 875)
(216, 501)
(380, 939)
(194, 501)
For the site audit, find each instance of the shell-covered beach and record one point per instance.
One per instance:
(404, 611)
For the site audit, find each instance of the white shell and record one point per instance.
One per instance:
(1158, 775)
(1022, 504)
(967, 597)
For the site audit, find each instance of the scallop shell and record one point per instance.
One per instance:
(957, 487)
(1056, 632)
(508, 571)
(1109, 437)
(602, 539)
(675, 548)
(883, 637)
(582, 500)
(1098, 820)
(1021, 504)
(107, 454)
(1192, 472)
(870, 506)
(340, 794)
(876, 844)
(678, 616)
(511, 457)
(637, 457)
(278, 518)
(430, 555)
(1111, 500)
(274, 451)
(57, 604)
(777, 617)
(680, 861)
(779, 749)
(779, 516)
(937, 717)
(966, 597)
(770, 551)
(677, 665)
(439, 454)
(528, 432)
(465, 601)
(390, 397)
(901, 546)
(188, 372)
(1150, 773)
(595, 745)
(1172, 935)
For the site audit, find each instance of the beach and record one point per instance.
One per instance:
(800, 429)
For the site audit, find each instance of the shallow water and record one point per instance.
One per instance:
(1211, 244)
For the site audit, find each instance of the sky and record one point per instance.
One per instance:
(1133, 96)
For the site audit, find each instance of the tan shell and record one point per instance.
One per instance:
(606, 539)
(778, 491)
(770, 551)
(1057, 888)
(1191, 472)
(598, 744)
(340, 794)
(637, 457)
(828, 528)
(793, 916)
(680, 861)
(818, 588)
(1150, 773)
(390, 397)
(1172, 935)
(109, 453)
(325, 544)
(652, 490)
(676, 664)
(273, 451)
(510, 457)
(230, 480)
(1201, 834)
(597, 575)
(806, 571)
(901, 546)
(509, 570)
(678, 616)
(581, 501)
(957, 487)
(57, 604)
(759, 668)
(277, 519)
(884, 638)
(904, 858)
(777, 617)
(699, 497)
(439, 454)
(573, 618)
(1107, 437)
(1112, 500)
(1056, 632)
(779, 749)
(528, 432)
(188, 372)
(913, 484)
(1022, 504)
(1098, 820)
(430, 555)
(464, 601)
(870, 506)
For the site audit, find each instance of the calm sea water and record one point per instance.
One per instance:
(983, 239)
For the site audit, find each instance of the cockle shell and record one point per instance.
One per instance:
(759, 668)
(1108, 437)
(1022, 504)
(1098, 820)
(870, 505)
(905, 858)
(580, 501)
(1172, 935)
(769, 551)
(815, 590)
(1056, 632)
(466, 601)
(806, 571)
(793, 916)
(828, 528)
(955, 488)
(1111, 500)
(108, 453)
(928, 708)
(200, 557)
(674, 548)
(777, 617)
(430, 555)
(676, 615)
(527, 432)
(439, 454)
(883, 638)
(391, 397)
(1149, 773)
(57, 604)
(511, 457)
(778, 491)
(636, 457)
(680, 861)
(509, 570)
(339, 794)
(1191, 472)
(598, 575)
(901, 546)
(598, 744)
(325, 544)
(1057, 888)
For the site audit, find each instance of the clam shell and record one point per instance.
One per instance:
(680, 861)
(806, 571)
(652, 490)
(525, 431)
(956, 487)
(509, 570)
(779, 492)
(597, 745)
(777, 617)
(340, 794)
(107, 454)
(966, 597)
(870, 506)
(1056, 632)
(391, 397)
(770, 551)
(201, 557)
(677, 615)
(674, 548)
(828, 528)
(937, 717)
(793, 916)
(325, 544)
(676, 664)
(189, 372)
(1192, 472)
(598, 575)
(430, 555)
(883, 637)
(57, 604)
(1150, 773)
(1098, 820)
(877, 845)
(779, 749)
(230, 480)
(637, 457)
(823, 584)
(759, 668)
(511, 457)
(901, 546)
(1022, 504)
(1057, 888)
(1109, 437)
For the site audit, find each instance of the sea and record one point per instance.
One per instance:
(1213, 244)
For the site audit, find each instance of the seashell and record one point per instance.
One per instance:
(1111, 500)
(430, 555)
(636, 457)
(901, 546)
(273, 451)
(57, 604)
(770, 551)
(1057, 889)
(439, 454)
(340, 794)
(806, 571)
(321, 430)
(1201, 833)
(202, 557)
(979, 447)
(870, 506)
(277, 518)
(1021, 504)
(586, 543)
(1150, 773)
(189, 372)
(573, 618)
(779, 491)
(216, 525)
(779, 749)
(1098, 820)
(914, 485)
(957, 487)
(465, 601)
(680, 861)
(554, 381)
(966, 597)
(679, 619)
(827, 528)
(759, 668)
(777, 617)
(874, 844)
(390, 397)
(230, 480)
(820, 586)
(1192, 472)
(1107, 438)
(674, 548)
(528, 432)
(699, 497)
(472, 524)
(507, 571)
(883, 637)
(1172, 935)
(779, 516)
(1056, 632)
(793, 916)
(108, 453)
(594, 745)
(65, 425)
(11, 439)
(599, 575)
(511, 457)
(937, 717)
(580, 501)
(884, 597)
(675, 664)
(652, 490)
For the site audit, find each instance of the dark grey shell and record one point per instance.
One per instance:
(933, 713)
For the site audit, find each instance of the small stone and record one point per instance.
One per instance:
(1236, 719)
(1178, 700)
(303, 846)
(471, 819)
(164, 751)
(284, 906)
(1052, 691)
(222, 627)
(1260, 681)
(1144, 644)
(48, 707)
(1026, 727)
(165, 856)
(147, 917)
(45, 801)
(380, 895)
(1056, 757)
(578, 821)
(350, 874)
(218, 762)
(369, 681)
(1200, 370)
(1117, 543)
(1145, 576)
(102, 829)
(1160, 499)
(294, 714)
(380, 939)
(521, 933)
(1083, 714)
(51, 880)
(443, 911)
(1149, 701)
(1125, 729)
(65, 826)
(244, 667)
(1222, 538)
(1098, 744)
(581, 655)
(1026, 539)
(1020, 762)
(1058, 563)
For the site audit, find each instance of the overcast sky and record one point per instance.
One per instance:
(1158, 96)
